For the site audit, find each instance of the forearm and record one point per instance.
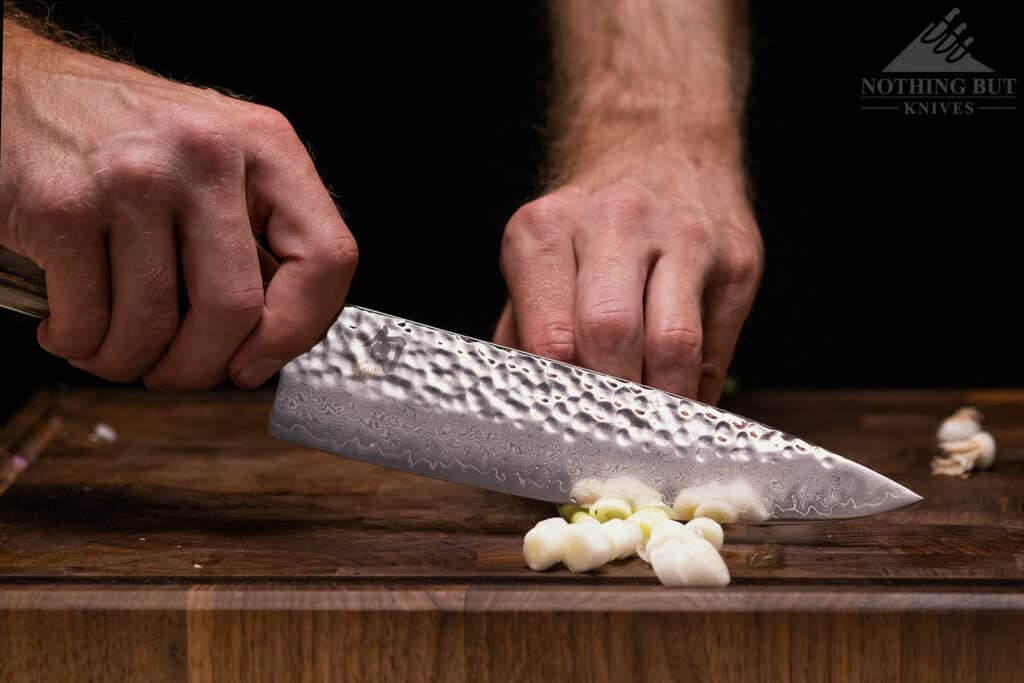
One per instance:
(26, 39)
(37, 47)
(647, 74)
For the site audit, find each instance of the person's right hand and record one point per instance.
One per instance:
(121, 185)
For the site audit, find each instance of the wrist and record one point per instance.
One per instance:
(610, 153)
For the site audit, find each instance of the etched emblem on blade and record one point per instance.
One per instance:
(386, 350)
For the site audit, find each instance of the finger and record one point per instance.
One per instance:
(726, 306)
(221, 272)
(539, 266)
(268, 264)
(318, 257)
(78, 294)
(144, 317)
(610, 291)
(673, 332)
(506, 333)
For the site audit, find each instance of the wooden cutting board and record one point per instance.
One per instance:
(196, 547)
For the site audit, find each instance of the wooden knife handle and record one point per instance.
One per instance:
(22, 285)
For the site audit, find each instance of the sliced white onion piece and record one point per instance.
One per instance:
(586, 491)
(647, 519)
(977, 451)
(696, 563)
(636, 493)
(689, 499)
(718, 510)
(708, 529)
(624, 535)
(665, 532)
(587, 547)
(730, 502)
(742, 496)
(544, 543)
(986, 449)
(961, 425)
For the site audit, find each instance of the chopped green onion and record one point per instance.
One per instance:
(647, 519)
(583, 517)
(567, 510)
(658, 507)
(610, 507)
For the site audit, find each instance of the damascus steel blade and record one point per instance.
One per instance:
(399, 394)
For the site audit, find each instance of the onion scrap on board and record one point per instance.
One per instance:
(965, 445)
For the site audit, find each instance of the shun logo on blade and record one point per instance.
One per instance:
(381, 355)
(936, 74)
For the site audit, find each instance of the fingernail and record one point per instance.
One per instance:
(257, 372)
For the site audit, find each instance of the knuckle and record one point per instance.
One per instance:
(537, 222)
(137, 170)
(609, 325)
(63, 202)
(744, 262)
(674, 343)
(160, 323)
(692, 225)
(207, 142)
(554, 340)
(679, 337)
(340, 252)
(270, 121)
(714, 371)
(242, 304)
(624, 202)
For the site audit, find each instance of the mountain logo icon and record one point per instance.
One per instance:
(939, 48)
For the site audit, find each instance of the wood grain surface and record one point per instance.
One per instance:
(196, 547)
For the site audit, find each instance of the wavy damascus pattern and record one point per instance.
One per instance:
(411, 397)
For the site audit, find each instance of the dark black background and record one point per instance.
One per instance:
(893, 242)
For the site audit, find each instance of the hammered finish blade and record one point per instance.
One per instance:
(407, 396)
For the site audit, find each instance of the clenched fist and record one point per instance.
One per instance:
(643, 267)
(126, 188)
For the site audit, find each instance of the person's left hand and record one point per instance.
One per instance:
(640, 267)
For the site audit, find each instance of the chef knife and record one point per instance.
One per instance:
(408, 396)
(412, 397)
